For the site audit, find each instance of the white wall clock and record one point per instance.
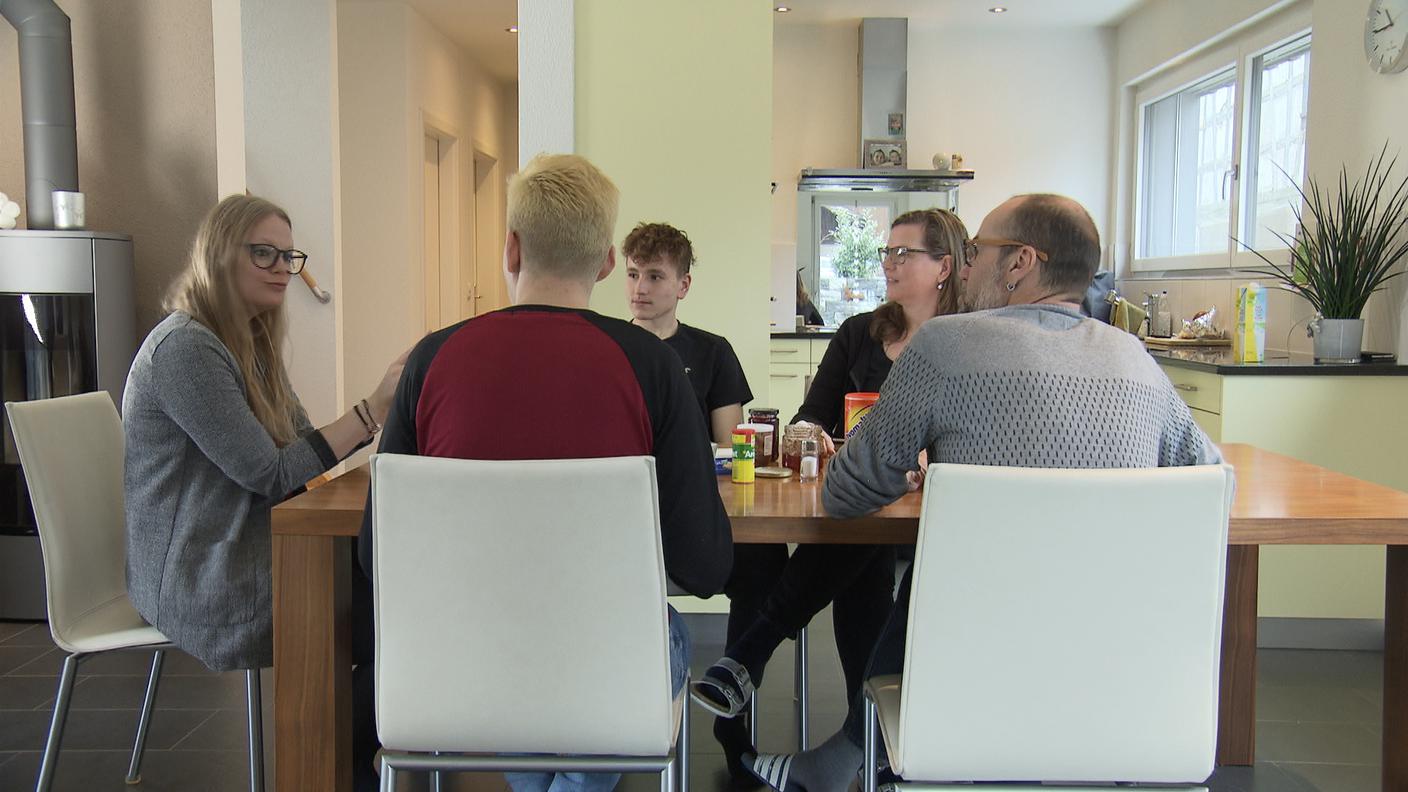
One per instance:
(1386, 35)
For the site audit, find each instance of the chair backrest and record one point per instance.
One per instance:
(71, 451)
(520, 606)
(1065, 625)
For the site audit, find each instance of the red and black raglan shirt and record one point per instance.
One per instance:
(542, 382)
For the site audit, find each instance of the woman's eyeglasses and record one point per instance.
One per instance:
(264, 257)
(899, 253)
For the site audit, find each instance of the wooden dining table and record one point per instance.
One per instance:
(1279, 500)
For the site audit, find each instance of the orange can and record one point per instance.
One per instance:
(857, 407)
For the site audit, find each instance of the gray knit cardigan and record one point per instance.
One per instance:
(202, 475)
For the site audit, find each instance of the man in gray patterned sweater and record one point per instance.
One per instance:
(1022, 380)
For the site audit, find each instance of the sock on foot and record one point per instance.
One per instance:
(829, 767)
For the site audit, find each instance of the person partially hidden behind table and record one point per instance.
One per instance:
(772, 595)
(216, 436)
(659, 258)
(1025, 380)
(594, 386)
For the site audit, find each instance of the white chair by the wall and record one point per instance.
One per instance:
(521, 622)
(1064, 626)
(71, 451)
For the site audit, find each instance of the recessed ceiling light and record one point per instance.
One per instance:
(513, 29)
(782, 9)
(997, 10)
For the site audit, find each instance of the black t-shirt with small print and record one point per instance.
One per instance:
(712, 367)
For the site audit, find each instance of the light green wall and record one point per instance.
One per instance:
(674, 103)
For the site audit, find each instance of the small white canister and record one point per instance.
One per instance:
(68, 209)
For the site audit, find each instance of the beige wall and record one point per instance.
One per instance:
(972, 92)
(398, 75)
(1353, 112)
(144, 90)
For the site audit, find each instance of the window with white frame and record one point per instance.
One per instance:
(1221, 153)
(1276, 154)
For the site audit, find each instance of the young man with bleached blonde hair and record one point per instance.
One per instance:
(592, 385)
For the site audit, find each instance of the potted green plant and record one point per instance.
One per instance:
(1343, 249)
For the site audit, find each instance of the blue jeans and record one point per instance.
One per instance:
(601, 782)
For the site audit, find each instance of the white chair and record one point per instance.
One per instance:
(1064, 626)
(71, 451)
(521, 622)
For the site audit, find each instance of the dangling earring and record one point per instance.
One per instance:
(1011, 287)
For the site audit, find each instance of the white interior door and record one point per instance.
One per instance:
(430, 214)
(489, 292)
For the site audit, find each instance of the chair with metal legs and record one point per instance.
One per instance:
(71, 450)
(556, 654)
(800, 689)
(1099, 663)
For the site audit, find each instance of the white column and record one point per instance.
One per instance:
(546, 83)
(291, 158)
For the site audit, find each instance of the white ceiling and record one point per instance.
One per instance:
(478, 27)
(964, 13)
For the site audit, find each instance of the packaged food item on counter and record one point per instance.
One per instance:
(857, 407)
(1202, 325)
(744, 454)
(1249, 336)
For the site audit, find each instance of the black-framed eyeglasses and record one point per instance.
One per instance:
(970, 247)
(264, 257)
(899, 253)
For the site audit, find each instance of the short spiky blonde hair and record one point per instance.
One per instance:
(564, 211)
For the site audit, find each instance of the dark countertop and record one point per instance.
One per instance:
(1218, 360)
(827, 333)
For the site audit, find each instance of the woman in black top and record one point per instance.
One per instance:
(772, 596)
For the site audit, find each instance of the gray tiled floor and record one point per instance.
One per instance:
(1318, 719)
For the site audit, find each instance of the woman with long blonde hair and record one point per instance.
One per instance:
(216, 436)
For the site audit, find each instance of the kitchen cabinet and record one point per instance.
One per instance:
(1351, 419)
(792, 363)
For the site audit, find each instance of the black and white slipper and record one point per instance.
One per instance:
(724, 690)
(771, 769)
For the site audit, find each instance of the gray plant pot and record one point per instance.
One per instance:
(1337, 340)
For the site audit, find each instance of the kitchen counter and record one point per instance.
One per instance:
(823, 333)
(1218, 360)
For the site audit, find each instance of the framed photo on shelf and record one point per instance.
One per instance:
(879, 153)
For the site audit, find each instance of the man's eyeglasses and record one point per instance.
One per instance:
(971, 246)
(264, 257)
(899, 253)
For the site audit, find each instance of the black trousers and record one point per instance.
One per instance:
(886, 659)
(858, 580)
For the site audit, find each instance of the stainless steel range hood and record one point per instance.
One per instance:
(880, 180)
(883, 94)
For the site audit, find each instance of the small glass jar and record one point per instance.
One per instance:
(811, 460)
(769, 448)
(792, 439)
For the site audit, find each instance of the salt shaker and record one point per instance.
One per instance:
(810, 460)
